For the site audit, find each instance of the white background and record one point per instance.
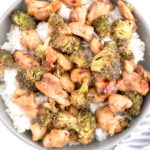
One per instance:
(7, 140)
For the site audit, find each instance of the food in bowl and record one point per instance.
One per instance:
(70, 73)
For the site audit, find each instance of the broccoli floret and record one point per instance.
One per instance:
(122, 44)
(27, 77)
(51, 105)
(137, 101)
(65, 120)
(108, 63)
(86, 124)
(59, 71)
(45, 116)
(40, 51)
(73, 135)
(78, 99)
(80, 58)
(122, 29)
(23, 20)
(124, 123)
(127, 54)
(6, 60)
(66, 43)
(101, 26)
(55, 20)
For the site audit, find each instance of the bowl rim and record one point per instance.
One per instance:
(115, 142)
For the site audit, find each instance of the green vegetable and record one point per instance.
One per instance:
(137, 100)
(55, 20)
(78, 99)
(80, 58)
(27, 77)
(45, 117)
(23, 20)
(122, 29)
(40, 51)
(108, 63)
(65, 120)
(87, 125)
(66, 43)
(6, 60)
(101, 26)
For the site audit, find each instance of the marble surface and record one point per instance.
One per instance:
(7, 140)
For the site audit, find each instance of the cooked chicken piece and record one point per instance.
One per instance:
(133, 82)
(51, 87)
(42, 9)
(94, 97)
(72, 3)
(108, 2)
(24, 59)
(82, 30)
(78, 15)
(53, 56)
(64, 62)
(30, 39)
(73, 110)
(79, 74)
(62, 107)
(107, 121)
(56, 138)
(66, 83)
(95, 45)
(26, 101)
(104, 86)
(96, 10)
(141, 71)
(38, 132)
(147, 73)
(126, 11)
(118, 103)
(129, 66)
(64, 29)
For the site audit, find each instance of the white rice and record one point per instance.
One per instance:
(93, 107)
(100, 134)
(73, 143)
(20, 120)
(42, 30)
(41, 99)
(87, 3)
(65, 12)
(138, 47)
(13, 40)
(115, 14)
